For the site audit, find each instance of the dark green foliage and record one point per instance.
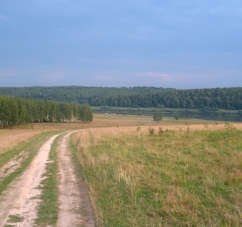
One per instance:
(207, 100)
(157, 116)
(86, 113)
(14, 111)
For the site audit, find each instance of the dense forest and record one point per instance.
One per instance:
(14, 111)
(214, 98)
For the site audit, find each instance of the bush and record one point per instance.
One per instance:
(160, 132)
(157, 116)
(151, 131)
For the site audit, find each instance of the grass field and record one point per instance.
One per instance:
(184, 173)
(188, 175)
(151, 110)
(12, 137)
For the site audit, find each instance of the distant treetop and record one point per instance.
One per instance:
(222, 98)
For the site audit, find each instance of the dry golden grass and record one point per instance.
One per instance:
(13, 136)
(108, 124)
(120, 148)
(96, 134)
(181, 178)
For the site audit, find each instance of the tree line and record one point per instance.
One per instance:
(14, 111)
(227, 98)
(75, 94)
(214, 98)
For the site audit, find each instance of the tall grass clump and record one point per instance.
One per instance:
(177, 179)
(151, 130)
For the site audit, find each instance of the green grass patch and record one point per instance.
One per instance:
(151, 110)
(30, 149)
(173, 179)
(15, 218)
(48, 208)
(81, 183)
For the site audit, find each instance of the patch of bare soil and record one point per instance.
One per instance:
(74, 206)
(18, 204)
(12, 165)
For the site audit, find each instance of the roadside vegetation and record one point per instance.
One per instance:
(21, 156)
(170, 177)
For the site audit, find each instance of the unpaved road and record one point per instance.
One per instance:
(74, 208)
(21, 198)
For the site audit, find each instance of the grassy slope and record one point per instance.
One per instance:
(177, 179)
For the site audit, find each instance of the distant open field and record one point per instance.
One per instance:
(13, 136)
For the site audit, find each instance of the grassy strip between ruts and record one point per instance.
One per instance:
(48, 208)
(30, 148)
(175, 178)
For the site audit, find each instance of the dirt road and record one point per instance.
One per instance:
(74, 208)
(19, 202)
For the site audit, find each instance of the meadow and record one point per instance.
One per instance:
(163, 175)
(20, 144)
(143, 173)
(11, 137)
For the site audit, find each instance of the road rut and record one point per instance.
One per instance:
(19, 202)
(75, 208)
(22, 196)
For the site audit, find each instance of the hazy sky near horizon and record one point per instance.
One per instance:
(178, 44)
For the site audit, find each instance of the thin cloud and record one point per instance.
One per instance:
(157, 75)
(7, 73)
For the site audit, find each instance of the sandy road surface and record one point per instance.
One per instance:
(21, 198)
(74, 205)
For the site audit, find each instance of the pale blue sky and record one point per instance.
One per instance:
(179, 44)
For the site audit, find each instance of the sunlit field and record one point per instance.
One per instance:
(13, 136)
(163, 174)
(143, 173)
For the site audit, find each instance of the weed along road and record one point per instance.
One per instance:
(24, 203)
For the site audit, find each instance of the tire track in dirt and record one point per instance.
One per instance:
(22, 196)
(74, 206)
(12, 165)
